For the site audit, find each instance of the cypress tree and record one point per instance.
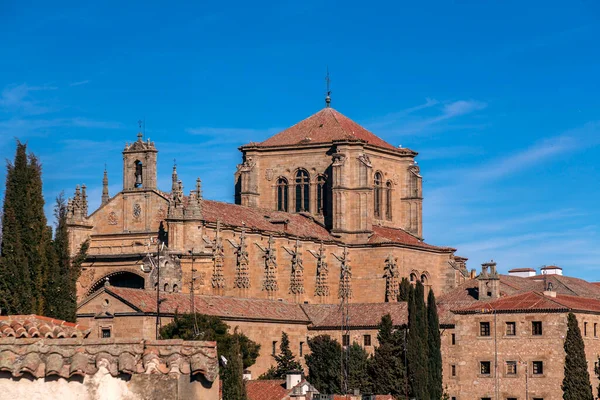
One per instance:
(286, 361)
(25, 237)
(358, 369)
(233, 374)
(417, 346)
(436, 388)
(387, 370)
(323, 364)
(404, 290)
(576, 383)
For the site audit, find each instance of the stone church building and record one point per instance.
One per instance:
(324, 210)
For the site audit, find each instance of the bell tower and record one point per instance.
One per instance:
(139, 165)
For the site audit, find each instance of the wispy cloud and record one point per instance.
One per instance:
(79, 83)
(18, 99)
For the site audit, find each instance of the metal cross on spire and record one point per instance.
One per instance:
(328, 94)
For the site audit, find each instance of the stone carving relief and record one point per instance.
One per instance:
(297, 278)
(392, 286)
(338, 159)
(322, 286)
(218, 278)
(269, 173)
(242, 278)
(345, 290)
(270, 281)
(137, 211)
(395, 178)
(87, 277)
(112, 218)
(365, 160)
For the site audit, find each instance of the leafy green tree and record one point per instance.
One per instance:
(404, 289)
(23, 261)
(436, 388)
(417, 344)
(576, 383)
(359, 369)
(233, 373)
(212, 328)
(387, 371)
(323, 364)
(286, 361)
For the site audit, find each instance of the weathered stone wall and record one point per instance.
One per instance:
(470, 349)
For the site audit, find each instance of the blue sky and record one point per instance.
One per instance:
(499, 98)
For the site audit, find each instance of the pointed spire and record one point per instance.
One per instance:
(198, 188)
(174, 185)
(105, 196)
(84, 201)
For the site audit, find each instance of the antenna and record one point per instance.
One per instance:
(328, 93)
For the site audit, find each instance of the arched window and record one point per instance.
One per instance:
(175, 288)
(282, 194)
(424, 279)
(138, 173)
(321, 181)
(302, 188)
(413, 278)
(388, 200)
(166, 287)
(377, 194)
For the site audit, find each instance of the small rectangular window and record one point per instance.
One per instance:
(595, 329)
(453, 339)
(301, 348)
(367, 340)
(585, 329)
(538, 367)
(346, 340)
(274, 350)
(105, 333)
(511, 368)
(511, 398)
(485, 367)
(537, 398)
(511, 329)
(453, 370)
(484, 329)
(486, 398)
(536, 328)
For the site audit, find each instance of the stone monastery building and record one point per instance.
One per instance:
(325, 212)
(324, 209)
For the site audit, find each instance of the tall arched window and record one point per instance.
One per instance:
(321, 181)
(388, 200)
(302, 189)
(282, 194)
(377, 194)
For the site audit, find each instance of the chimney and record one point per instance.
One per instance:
(292, 378)
(549, 290)
(247, 376)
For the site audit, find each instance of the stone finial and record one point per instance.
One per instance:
(174, 179)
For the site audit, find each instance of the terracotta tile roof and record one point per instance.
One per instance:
(266, 389)
(222, 306)
(36, 326)
(68, 357)
(258, 219)
(364, 315)
(394, 235)
(326, 126)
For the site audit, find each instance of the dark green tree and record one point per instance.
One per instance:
(576, 383)
(63, 272)
(212, 328)
(323, 364)
(359, 369)
(286, 361)
(404, 289)
(387, 371)
(23, 261)
(417, 344)
(232, 374)
(436, 388)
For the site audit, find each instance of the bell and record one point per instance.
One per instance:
(138, 180)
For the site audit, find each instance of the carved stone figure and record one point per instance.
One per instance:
(392, 286)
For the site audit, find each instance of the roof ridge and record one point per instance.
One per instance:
(334, 115)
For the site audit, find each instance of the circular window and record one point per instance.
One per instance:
(106, 302)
